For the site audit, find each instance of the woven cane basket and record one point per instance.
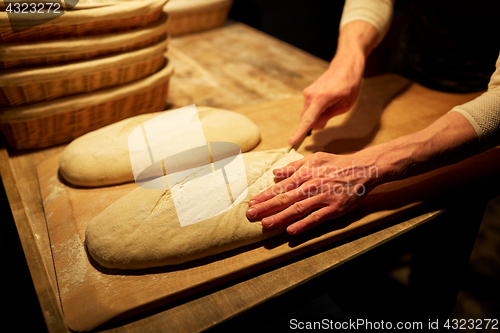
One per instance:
(85, 20)
(33, 85)
(196, 15)
(15, 55)
(60, 121)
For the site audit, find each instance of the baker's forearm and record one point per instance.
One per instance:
(362, 27)
(336, 90)
(474, 127)
(356, 41)
(324, 186)
(448, 140)
(357, 37)
(376, 12)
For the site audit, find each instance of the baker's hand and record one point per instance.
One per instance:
(332, 94)
(312, 190)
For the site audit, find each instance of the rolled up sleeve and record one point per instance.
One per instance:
(376, 12)
(483, 113)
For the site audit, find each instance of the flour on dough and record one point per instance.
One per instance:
(101, 157)
(142, 229)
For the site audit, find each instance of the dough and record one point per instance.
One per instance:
(102, 158)
(142, 229)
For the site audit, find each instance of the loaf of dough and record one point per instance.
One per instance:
(101, 157)
(142, 229)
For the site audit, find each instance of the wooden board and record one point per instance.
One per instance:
(197, 79)
(92, 296)
(211, 69)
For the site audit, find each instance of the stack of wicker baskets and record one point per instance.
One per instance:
(95, 65)
(188, 16)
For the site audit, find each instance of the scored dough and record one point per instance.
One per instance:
(101, 157)
(142, 229)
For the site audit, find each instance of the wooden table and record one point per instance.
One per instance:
(234, 67)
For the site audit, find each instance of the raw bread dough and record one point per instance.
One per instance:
(142, 229)
(102, 158)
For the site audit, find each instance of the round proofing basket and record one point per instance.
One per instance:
(33, 85)
(196, 15)
(51, 123)
(15, 55)
(118, 16)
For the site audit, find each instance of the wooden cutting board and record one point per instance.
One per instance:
(388, 108)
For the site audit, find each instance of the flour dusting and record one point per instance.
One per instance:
(73, 273)
(55, 188)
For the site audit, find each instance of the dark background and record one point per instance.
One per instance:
(312, 26)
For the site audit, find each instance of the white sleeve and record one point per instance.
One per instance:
(376, 12)
(483, 113)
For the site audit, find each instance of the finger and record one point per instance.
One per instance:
(289, 169)
(278, 203)
(308, 97)
(313, 219)
(307, 103)
(329, 113)
(306, 123)
(295, 180)
(294, 212)
(277, 189)
(323, 214)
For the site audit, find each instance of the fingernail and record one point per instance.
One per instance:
(251, 213)
(267, 222)
(291, 230)
(252, 202)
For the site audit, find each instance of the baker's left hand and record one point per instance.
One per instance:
(312, 190)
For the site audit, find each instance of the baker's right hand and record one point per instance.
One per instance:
(332, 94)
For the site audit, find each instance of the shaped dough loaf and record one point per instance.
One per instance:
(101, 157)
(142, 229)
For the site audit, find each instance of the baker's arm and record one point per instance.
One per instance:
(376, 12)
(324, 186)
(484, 113)
(363, 25)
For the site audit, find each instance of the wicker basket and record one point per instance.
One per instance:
(116, 16)
(51, 123)
(196, 15)
(15, 55)
(33, 85)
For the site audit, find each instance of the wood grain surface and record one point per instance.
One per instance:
(92, 295)
(236, 67)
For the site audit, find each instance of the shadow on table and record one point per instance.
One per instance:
(363, 121)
